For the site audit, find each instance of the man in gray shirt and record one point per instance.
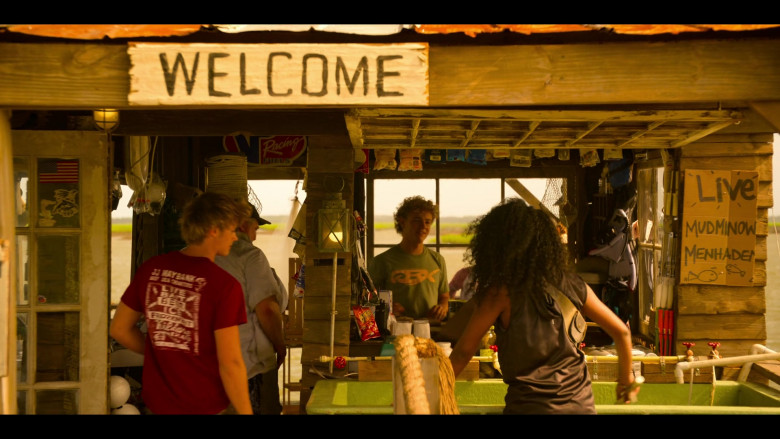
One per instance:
(262, 337)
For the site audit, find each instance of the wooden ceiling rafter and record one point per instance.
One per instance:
(532, 129)
(591, 127)
(532, 125)
(638, 134)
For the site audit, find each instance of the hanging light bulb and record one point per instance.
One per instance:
(106, 119)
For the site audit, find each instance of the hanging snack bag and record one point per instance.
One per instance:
(300, 282)
(613, 154)
(476, 157)
(589, 157)
(410, 160)
(521, 158)
(435, 155)
(456, 155)
(495, 154)
(564, 154)
(366, 322)
(385, 159)
(361, 157)
(544, 153)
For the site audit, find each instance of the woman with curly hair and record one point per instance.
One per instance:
(517, 257)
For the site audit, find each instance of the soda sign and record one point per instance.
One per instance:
(268, 151)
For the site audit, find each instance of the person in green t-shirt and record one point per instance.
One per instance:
(416, 274)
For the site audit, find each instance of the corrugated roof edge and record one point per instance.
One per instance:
(101, 31)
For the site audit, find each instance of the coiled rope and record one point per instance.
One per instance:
(227, 175)
(409, 349)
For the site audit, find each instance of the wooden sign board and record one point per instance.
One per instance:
(278, 74)
(719, 227)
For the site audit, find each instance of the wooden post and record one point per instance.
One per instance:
(7, 270)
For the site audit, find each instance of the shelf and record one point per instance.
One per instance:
(293, 387)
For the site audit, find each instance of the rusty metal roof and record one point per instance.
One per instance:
(114, 31)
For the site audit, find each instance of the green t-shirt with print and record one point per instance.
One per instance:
(416, 280)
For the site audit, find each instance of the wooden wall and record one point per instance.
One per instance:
(328, 157)
(733, 316)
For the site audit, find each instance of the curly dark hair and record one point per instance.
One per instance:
(519, 247)
(409, 205)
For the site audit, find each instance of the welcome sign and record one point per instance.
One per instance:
(278, 74)
(719, 227)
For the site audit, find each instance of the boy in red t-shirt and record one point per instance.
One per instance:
(192, 352)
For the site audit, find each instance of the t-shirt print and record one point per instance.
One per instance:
(172, 305)
(413, 276)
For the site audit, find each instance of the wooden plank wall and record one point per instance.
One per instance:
(328, 156)
(733, 316)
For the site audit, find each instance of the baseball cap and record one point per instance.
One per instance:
(260, 221)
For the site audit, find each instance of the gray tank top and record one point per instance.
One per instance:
(545, 372)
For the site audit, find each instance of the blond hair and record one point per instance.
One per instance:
(209, 210)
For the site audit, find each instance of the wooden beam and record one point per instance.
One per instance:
(75, 76)
(500, 114)
(197, 123)
(711, 128)
(591, 126)
(528, 196)
(769, 111)
(641, 133)
(611, 73)
(89, 75)
(8, 272)
(531, 128)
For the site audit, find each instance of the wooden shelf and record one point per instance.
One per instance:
(293, 387)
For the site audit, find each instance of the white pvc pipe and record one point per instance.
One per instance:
(333, 311)
(687, 365)
(755, 349)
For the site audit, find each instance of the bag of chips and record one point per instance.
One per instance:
(476, 156)
(366, 322)
(385, 159)
(410, 160)
(521, 158)
(300, 282)
(456, 155)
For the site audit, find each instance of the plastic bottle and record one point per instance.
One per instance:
(489, 339)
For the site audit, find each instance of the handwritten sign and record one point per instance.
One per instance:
(719, 227)
(278, 74)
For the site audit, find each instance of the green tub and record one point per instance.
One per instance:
(487, 397)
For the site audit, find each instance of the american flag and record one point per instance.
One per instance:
(60, 171)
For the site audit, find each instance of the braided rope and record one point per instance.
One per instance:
(409, 349)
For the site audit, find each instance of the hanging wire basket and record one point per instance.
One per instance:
(254, 200)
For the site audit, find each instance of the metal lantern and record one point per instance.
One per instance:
(333, 233)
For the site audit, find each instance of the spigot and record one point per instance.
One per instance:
(689, 352)
(714, 354)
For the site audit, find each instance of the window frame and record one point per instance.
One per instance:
(570, 171)
(646, 299)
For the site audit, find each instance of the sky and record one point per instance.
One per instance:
(458, 197)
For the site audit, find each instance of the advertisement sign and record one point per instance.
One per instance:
(719, 227)
(266, 151)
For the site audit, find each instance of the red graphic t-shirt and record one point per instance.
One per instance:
(184, 300)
